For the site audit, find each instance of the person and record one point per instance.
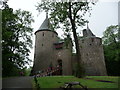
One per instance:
(58, 67)
(21, 73)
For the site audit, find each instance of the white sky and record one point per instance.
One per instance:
(104, 14)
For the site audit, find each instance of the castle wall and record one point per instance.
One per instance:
(92, 56)
(44, 49)
(47, 54)
(74, 62)
(65, 56)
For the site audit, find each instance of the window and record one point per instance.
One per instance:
(43, 33)
(82, 41)
(100, 43)
(52, 35)
(87, 54)
(92, 39)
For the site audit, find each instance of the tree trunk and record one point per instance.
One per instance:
(80, 71)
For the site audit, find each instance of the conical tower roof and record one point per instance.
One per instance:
(46, 24)
(87, 32)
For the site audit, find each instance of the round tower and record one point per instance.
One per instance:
(92, 54)
(44, 45)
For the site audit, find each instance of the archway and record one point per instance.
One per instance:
(60, 67)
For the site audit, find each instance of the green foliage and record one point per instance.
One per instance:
(111, 35)
(26, 71)
(112, 59)
(78, 70)
(16, 39)
(112, 49)
(68, 42)
(59, 13)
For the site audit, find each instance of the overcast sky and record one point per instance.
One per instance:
(104, 14)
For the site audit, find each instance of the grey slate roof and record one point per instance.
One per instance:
(45, 25)
(89, 32)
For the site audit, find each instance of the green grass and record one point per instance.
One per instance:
(58, 81)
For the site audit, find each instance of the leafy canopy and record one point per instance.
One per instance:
(60, 15)
(16, 38)
(111, 44)
(111, 34)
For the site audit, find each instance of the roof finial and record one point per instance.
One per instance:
(87, 25)
(46, 14)
(88, 31)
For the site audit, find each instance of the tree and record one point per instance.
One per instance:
(68, 15)
(111, 34)
(112, 49)
(16, 39)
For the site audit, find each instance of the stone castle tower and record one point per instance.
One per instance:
(49, 51)
(92, 53)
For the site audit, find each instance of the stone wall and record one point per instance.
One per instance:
(46, 53)
(65, 56)
(93, 56)
(44, 49)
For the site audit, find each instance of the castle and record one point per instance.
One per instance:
(50, 52)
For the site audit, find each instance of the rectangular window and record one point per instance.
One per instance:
(52, 35)
(82, 41)
(92, 39)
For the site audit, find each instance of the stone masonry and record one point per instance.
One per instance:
(49, 51)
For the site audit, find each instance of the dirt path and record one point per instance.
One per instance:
(14, 83)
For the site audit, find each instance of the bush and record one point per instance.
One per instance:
(78, 70)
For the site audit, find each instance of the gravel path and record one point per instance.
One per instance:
(17, 83)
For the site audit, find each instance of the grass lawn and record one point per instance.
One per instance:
(57, 81)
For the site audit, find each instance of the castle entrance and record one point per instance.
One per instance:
(60, 67)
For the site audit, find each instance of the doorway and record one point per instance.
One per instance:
(60, 66)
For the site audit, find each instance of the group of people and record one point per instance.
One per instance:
(49, 71)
